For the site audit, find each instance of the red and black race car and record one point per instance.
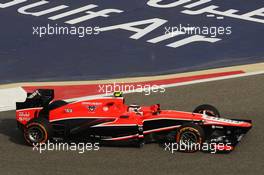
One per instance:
(109, 119)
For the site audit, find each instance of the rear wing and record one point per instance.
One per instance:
(39, 98)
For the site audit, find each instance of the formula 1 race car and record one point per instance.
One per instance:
(110, 120)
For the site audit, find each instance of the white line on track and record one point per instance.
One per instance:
(8, 98)
(214, 79)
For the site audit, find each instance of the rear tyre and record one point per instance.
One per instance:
(190, 138)
(37, 131)
(208, 109)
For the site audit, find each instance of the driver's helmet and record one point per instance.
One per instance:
(134, 108)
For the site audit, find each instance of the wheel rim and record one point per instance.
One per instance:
(189, 137)
(35, 134)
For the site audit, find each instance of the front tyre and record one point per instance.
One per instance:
(190, 138)
(37, 131)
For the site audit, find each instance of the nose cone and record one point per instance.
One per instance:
(247, 124)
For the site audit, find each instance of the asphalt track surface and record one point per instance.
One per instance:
(112, 54)
(238, 98)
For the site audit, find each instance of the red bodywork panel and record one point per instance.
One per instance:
(23, 116)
